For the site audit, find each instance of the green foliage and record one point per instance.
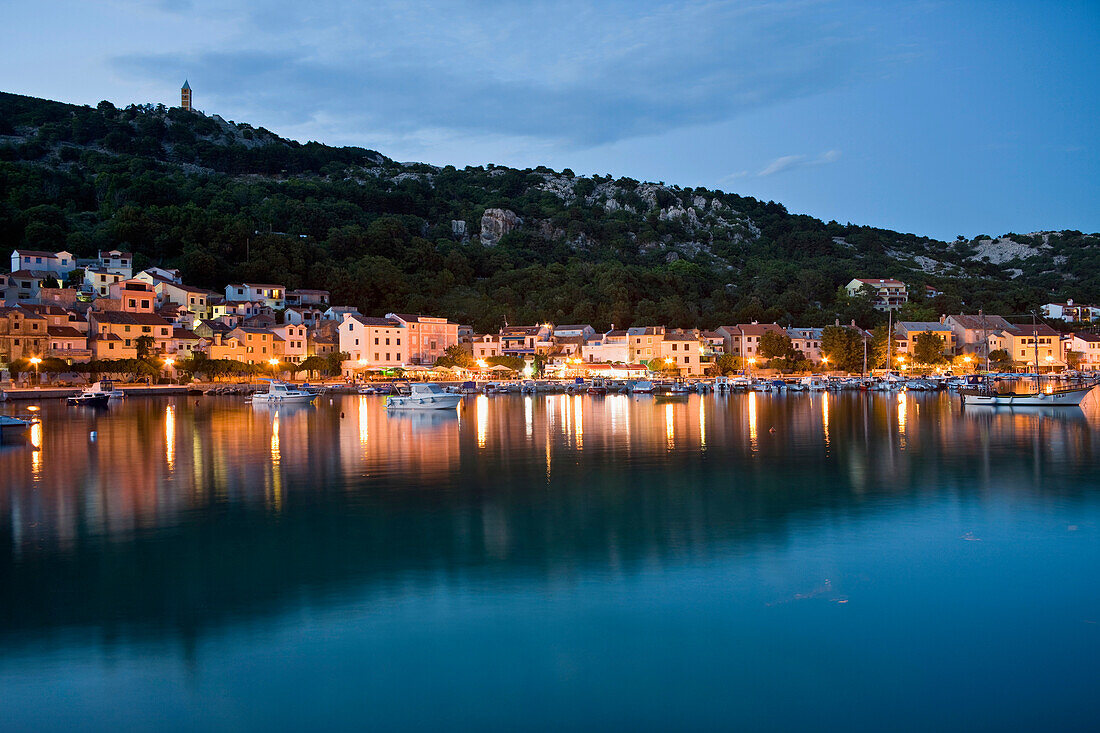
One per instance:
(928, 348)
(223, 202)
(456, 356)
(1000, 359)
(844, 348)
(512, 362)
(727, 364)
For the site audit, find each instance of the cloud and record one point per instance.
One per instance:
(789, 162)
(568, 71)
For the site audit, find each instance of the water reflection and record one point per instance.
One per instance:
(171, 491)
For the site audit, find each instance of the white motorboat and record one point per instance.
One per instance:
(642, 387)
(814, 384)
(424, 396)
(281, 393)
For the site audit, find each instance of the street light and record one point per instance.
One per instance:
(752, 362)
(274, 366)
(36, 361)
(168, 363)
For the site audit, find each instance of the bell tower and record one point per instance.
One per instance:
(185, 96)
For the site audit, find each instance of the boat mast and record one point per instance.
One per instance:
(889, 338)
(1035, 350)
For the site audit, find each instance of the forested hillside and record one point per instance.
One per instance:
(226, 201)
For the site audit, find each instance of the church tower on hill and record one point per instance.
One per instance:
(185, 96)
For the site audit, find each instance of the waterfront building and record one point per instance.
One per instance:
(906, 333)
(292, 342)
(612, 347)
(23, 334)
(372, 343)
(427, 337)
(485, 345)
(1086, 346)
(888, 294)
(680, 349)
(57, 264)
(807, 341)
(1025, 342)
(645, 342)
(972, 332)
(523, 341)
(115, 333)
(743, 340)
(338, 312)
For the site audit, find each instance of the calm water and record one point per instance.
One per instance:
(552, 563)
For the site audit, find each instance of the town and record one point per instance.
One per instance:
(64, 315)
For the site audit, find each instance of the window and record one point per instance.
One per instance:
(376, 356)
(387, 342)
(375, 340)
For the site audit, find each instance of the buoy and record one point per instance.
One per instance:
(341, 414)
(771, 430)
(92, 436)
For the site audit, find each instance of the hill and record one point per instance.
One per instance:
(227, 201)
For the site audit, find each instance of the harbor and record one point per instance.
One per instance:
(578, 538)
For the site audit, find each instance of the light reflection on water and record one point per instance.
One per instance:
(721, 555)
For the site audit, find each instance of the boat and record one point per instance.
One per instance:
(642, 387)
(815, 384)
(424, 396)
(680, 388)
(528, 387)
(13, 429)
(87, 398)
(980, 391)
(721, 384)
(597, 388)
(983, 391)
(107, 387)
(281, 393)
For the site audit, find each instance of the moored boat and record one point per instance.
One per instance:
(281, 393)
(424, 396)
(89, 399)
(642, 387)
(13, 429)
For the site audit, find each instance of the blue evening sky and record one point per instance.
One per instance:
(937, 118)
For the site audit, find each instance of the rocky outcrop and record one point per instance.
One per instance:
(495, 223)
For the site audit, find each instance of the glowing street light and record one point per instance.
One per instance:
(481, 364)
(169, 362)
(36, 361)
(274, 366)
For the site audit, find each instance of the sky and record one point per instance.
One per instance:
(936, 118)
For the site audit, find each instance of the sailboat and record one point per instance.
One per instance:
(981, 391)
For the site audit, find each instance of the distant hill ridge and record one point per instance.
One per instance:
(479, 244)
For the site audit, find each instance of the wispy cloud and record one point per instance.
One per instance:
(568, 71)
(790, 162)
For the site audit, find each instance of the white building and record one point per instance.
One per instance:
(273, 296)
(612, 347)
(1071, 312)
(58, 264)
(889, 294)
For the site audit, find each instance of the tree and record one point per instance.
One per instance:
(928, 348)
(336, 360)
(844, 347)
(1073, 359)
(1001, 358)
(313, 364)
(726, 364)
(512, 362)
(456, 356)
(776, 345)
(144, 346)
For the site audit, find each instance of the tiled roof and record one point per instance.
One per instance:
(134, 319)
(374, 321)
(65, 332)
(989, 323)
